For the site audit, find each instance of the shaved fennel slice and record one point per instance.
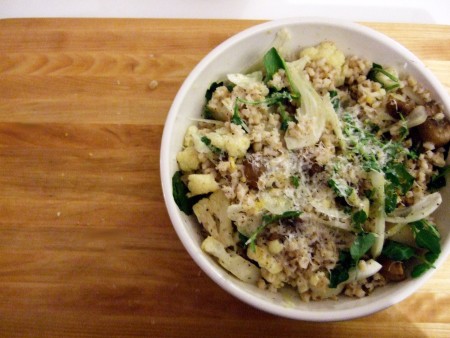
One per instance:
(310, 116)
(282, 44)
(334, 120)
(416, 117)
(378, 182)
(330, 212)
(422, 209)
(238, 266)
(247, 81)
(361, 271)
(216, 122)
(365, 270)
(334, 223)
(275, 203)
(395, 229)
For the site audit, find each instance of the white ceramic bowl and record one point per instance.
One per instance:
(237, 54)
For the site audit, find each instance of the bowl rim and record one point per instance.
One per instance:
(195, 251)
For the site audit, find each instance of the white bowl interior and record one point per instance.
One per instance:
(237, 54)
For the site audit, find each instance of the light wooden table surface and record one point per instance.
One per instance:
(86, 245)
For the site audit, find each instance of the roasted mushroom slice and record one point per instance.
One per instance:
(435, 131)
(397, 108)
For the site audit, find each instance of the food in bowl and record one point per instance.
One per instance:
(316, 170)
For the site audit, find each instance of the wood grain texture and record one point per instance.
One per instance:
(86, 245)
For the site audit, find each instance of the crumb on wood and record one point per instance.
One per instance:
(153, 84)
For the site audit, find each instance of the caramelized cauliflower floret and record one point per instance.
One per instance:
(238, 266)
(265, 259)
(188, 159)
(212, 214)
(235, 145)
(199, 184)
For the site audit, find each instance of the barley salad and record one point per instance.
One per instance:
(316, 171)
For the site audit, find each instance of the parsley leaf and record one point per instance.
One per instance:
(272, 63)
(397, 251)
(438, 180)
(348, 259)
(208, 114)
(334, 98)
(362, 243)
(341, 189)
(426, 236)
(236, 118)
(390, 202)
(339, 273)
(380, 75)
(295, 181)
(242, 239)
(358, 219)
(399, 176)
(211, 147)
(211, 89)
(419, 270)
(285, 118)
(278, 97)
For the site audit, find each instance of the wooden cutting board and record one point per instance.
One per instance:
(86, 245)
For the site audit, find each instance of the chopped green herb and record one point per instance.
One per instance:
(420, 269)
(242, 239)
(208, 114)
(397, 251)
(211, 147)
(285, 118)
(380, 75)
(338, 275)
(371, 164)
(272, 63)
(273, 98)
(362, 243)
(404, 131)
(358, 219)
(431, 257)
(390, 202)
(427, 237)
(369, 193)
(438, 180)
(279, 97)
(295, 181)
(415, 150)
(347, 209)
(334, 98)
(348, 259)
(341, 189)
(269, 219)
(374, 128)
(236, 118)
(211, 89)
